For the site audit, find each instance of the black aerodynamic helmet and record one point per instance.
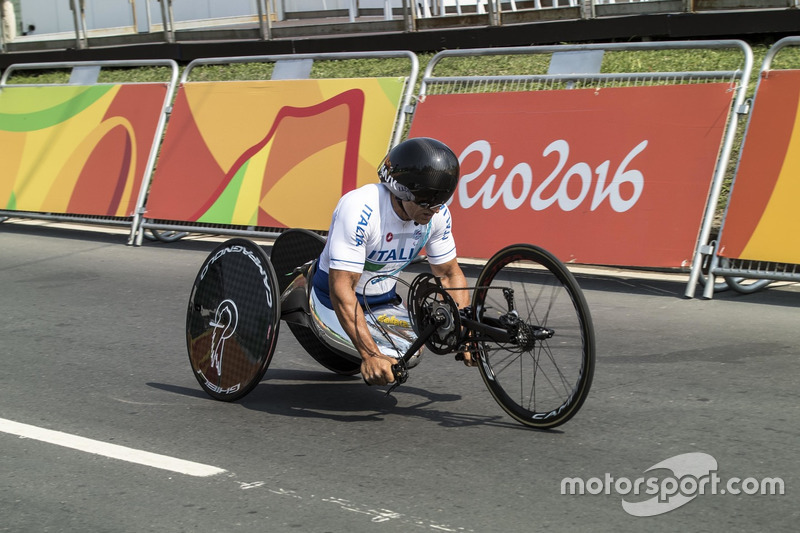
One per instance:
(420, 170)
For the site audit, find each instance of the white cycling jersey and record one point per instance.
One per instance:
(367, 236)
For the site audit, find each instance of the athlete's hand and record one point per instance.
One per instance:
(377, 369)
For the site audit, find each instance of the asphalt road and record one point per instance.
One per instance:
(92, 346)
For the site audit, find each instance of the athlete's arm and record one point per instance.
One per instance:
(376, 368)
(452, 277)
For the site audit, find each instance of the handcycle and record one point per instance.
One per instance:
(528, 325)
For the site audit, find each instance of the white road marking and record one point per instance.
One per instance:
(378, 515)
(113, 451)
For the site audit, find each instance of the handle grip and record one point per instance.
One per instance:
(400, 373)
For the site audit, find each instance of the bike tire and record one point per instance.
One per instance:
(545, 385)
(232, 320)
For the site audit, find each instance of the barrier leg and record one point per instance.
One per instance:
(708, 292)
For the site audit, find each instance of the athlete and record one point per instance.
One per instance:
(377, 230)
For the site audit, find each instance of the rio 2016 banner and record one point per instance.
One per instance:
(612, 176)
(76, 149)
(271, 153)
(761, 223)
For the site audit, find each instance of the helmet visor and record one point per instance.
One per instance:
(431, 199)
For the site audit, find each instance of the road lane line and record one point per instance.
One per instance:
(113, 451)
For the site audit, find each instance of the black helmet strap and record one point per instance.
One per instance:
(399, 204)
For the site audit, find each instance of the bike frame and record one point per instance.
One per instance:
(472, 333)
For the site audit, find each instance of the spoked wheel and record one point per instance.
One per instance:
(543, 376)
(232, 320)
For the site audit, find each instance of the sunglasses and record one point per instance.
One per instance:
(429, 205)
(430, 201)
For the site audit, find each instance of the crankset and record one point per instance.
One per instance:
(429, 304)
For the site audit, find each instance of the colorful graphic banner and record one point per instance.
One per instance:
(271, 153)
(76, 149)
(616, 176)
(761, 223)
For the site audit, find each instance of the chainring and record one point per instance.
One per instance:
(429, 301)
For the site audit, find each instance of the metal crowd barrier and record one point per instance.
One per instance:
(763, 166)
(77, 148)
(580, 66)
(160, 210)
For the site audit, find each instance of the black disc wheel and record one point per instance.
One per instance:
(542, 376)
(232, 319)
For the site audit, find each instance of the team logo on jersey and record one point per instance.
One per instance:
(361, 228)
(389, 237)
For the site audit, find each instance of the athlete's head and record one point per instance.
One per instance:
(420, 170)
